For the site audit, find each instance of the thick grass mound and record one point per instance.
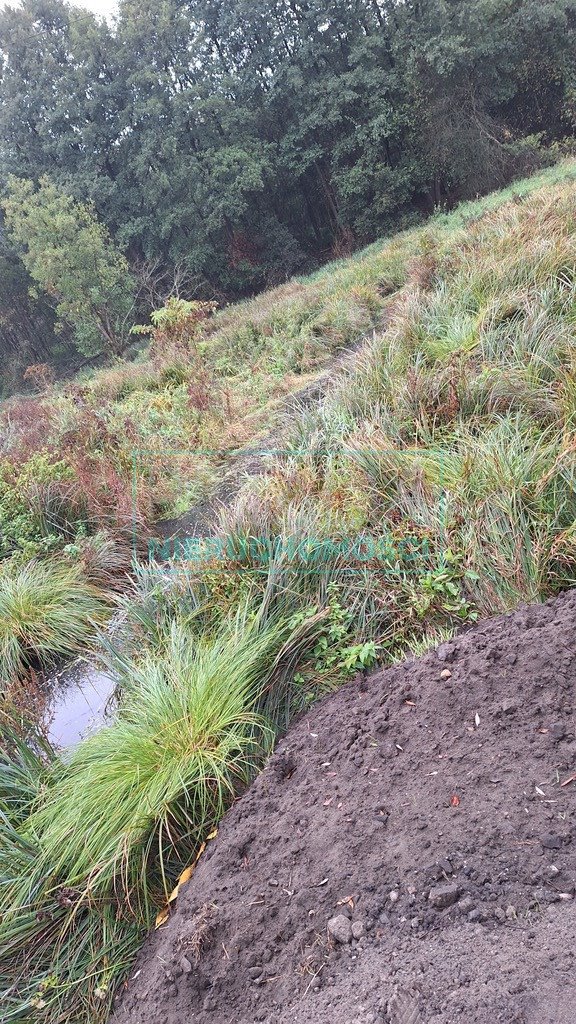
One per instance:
(444, 461)
(181, 403)
(92, 844)
(47, 611)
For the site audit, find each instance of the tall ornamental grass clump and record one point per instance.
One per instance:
(86, 863)
(452, 435)
(47, 611)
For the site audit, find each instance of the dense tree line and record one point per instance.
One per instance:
(244, 141)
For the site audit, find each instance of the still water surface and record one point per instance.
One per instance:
(80, 696)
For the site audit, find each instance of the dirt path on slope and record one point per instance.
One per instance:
(199, 521)
(408, 856)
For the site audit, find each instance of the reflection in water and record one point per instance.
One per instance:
(79, 699)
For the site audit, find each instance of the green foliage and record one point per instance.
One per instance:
(26, 323)
(47, 611)
(333, 649)
(166, 770)
(333, 657)
(188, 736)
(447, 450)
(23, 529)
(446, 453)
(72, 258)
(245, 144)
(442, 590)
(177, 318)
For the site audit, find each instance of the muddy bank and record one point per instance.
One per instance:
(408, 856)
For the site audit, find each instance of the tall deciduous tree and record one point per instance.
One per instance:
(251, 140)
(69, 255)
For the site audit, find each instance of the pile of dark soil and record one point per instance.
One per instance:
(407, 856)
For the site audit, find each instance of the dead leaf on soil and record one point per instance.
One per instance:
(162, 916)
(455, 801)
(348, 900)
(184, 877)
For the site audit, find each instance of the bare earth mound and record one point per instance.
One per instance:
(432, 815)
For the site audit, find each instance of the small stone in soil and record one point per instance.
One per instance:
(340, 929)
(444, 896)
(445, 652)
(466, 904)
(551, 842)
(446, 866)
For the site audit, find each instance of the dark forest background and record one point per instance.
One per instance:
(216, 148)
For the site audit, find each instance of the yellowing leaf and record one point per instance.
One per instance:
(189, 871)
(162, 917)
(185, 876)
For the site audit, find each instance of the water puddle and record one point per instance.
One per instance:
(80, 697)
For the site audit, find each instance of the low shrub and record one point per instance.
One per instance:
(25, 529)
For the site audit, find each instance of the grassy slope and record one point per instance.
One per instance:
(451, 444)
(220, 395)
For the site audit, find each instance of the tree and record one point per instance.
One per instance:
(247, 141)
(70, 256)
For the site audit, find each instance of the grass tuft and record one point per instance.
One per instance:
(79, 883)
(47, 611)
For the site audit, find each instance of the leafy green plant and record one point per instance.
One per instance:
(70, 256)
(442, 589)
(333, 655)
(24, 529)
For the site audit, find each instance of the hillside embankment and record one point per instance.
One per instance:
(430, 486)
